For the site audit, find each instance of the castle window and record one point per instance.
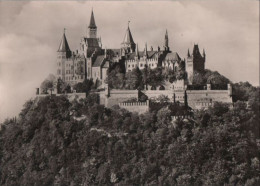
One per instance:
(129, 66)
(141, 65)
(133, 65)
(81, 76)
(152, 65)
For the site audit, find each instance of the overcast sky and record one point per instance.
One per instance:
(30, 33)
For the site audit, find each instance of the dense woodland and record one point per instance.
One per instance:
(57, 142)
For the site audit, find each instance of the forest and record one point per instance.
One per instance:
(57, 142)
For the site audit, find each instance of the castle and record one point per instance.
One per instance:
(91, 61)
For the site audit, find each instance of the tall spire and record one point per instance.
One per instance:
(145, 50)
(128, 39)
(92, 28)
(92, 23)
(166, 40)
(64, 46)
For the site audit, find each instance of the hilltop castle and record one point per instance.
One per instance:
(91, 61)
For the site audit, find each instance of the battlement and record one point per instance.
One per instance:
(131, 60)
(134, 104)
(140, 107)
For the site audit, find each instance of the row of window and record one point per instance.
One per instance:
(68, 78)
(206, 104)
(67, 65)
(141, 65)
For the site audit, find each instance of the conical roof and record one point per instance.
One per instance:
(92, 23)
(128, 39)
(64, 46)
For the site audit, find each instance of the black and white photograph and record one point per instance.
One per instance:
(129, 93)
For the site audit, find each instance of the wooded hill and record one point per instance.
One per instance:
(57, 142)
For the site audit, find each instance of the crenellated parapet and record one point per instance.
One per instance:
(140, 107)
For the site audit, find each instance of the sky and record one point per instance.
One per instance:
(30, 33)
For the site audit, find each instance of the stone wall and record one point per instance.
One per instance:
(114, 97)
(154, 94)
(215, 95)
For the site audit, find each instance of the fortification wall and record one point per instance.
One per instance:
(117, 96)
(154, 94)
(215, 95)
(140, 107)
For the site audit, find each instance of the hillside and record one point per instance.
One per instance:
(81, 143)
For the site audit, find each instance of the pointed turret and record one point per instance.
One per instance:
(64, 46)
(92, 28)
(128, 42)
(188, 53)
(137, 52)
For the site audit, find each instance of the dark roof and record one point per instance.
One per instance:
(92, 42)
(64, 46)
(151, 54)
(128, 39)
(172, 56)
(92, 23)
(99, 60)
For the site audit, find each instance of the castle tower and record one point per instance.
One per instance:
(63, 54)
(92, 28)
(128, 44)
(195, 62)
(166, 42)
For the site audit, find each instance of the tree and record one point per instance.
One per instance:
(85, 86)
(48, 84)
(116, 78)
(133, 79)
(155, 77)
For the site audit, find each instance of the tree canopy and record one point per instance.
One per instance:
(50, 144)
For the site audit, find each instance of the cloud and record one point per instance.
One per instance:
(30, 33)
